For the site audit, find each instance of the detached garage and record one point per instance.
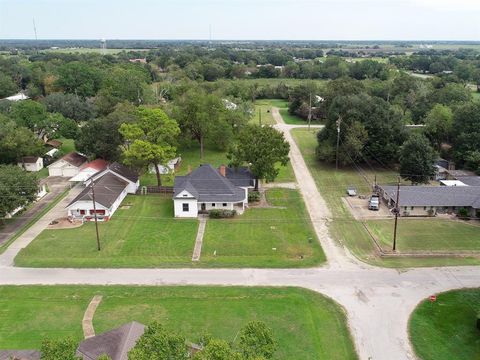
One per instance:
(67, 166)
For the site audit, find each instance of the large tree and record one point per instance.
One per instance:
(70, 106)
(63, 349)
(202, 116)
(16, 142)
(438, 124)
(159, 343)
(18, 188)
(7, 86)
(150, 140)
(417, 158)
(79, 78)
(466, 135)
(262, 149)
(256, 340)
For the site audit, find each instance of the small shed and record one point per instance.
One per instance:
(31, 163)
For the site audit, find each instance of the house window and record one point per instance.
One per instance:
(405, 208)
(185, 195)
(82, 212)
(425, 208)
(224, 204)
(213, 204)
(185, 207)
(411, 207)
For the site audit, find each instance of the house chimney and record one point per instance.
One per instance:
(222, 170)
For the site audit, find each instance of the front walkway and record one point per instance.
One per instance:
(199, 240)
(87, 322)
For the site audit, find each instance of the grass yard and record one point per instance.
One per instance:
(68, 145)
(303, 322)
(264, 237)
(145, 235)
(476, 95)
(191, 159)
(446, 329)
(344, 228)
(427, 234)
(263, 113)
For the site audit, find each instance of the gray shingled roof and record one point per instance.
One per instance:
(470, 180)
(240, 176)
(20, 354)
(124, 171)
(107, 189)
(74, 159)
(466, 196)
(115, 343)
(206, 184)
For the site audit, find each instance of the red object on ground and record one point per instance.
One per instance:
(433, 298)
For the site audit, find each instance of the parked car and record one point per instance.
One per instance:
(351, 191)
(374, 202)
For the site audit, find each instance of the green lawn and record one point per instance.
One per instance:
(145, 235)
(68, 145)
(265, 237)
(344, 228)
(263, 113)
(446, 329)
(476, 95)
(303, 322)
(427, 234)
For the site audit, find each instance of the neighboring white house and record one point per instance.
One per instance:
(170, 168)
(111, 186)
(110, 190)
(121, 171)
(31, 163)
(42, 191)
(207, 188)
(17, 97)
(67, 166)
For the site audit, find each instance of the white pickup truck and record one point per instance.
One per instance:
(374, 202)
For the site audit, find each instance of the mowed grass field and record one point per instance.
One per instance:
(344, 228)
(144, 235)
(305, 324)
(427, 235)
(446, 329)
(264, 237)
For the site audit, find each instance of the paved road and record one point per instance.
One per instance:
(378, 301)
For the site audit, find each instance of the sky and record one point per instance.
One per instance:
(242, 19)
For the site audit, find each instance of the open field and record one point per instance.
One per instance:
(428, 234)
(89, 50)
(343, 227)
(265, 237)
(145, 235)
(303, 323)
(263, 113)
(446, 329)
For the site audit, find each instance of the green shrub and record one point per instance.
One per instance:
(463, 212)
(221, 214)
(253, 196)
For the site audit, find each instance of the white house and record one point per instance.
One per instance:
(111, 186)
(17, 97)
(121, 171)
(31, 163)
(171, 166)
(67, 166)
(207, 188)
(110, 190)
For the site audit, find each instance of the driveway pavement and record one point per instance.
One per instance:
(56, 186)
(378, 301)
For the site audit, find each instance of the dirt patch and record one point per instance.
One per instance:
(125, 207)
(64, 223)
(359, 209)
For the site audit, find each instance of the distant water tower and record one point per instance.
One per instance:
(103, 46)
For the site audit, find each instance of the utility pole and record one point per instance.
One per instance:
(339, 122)
(260, 116)
(310, 111)
(396, 211)
(95, 213)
